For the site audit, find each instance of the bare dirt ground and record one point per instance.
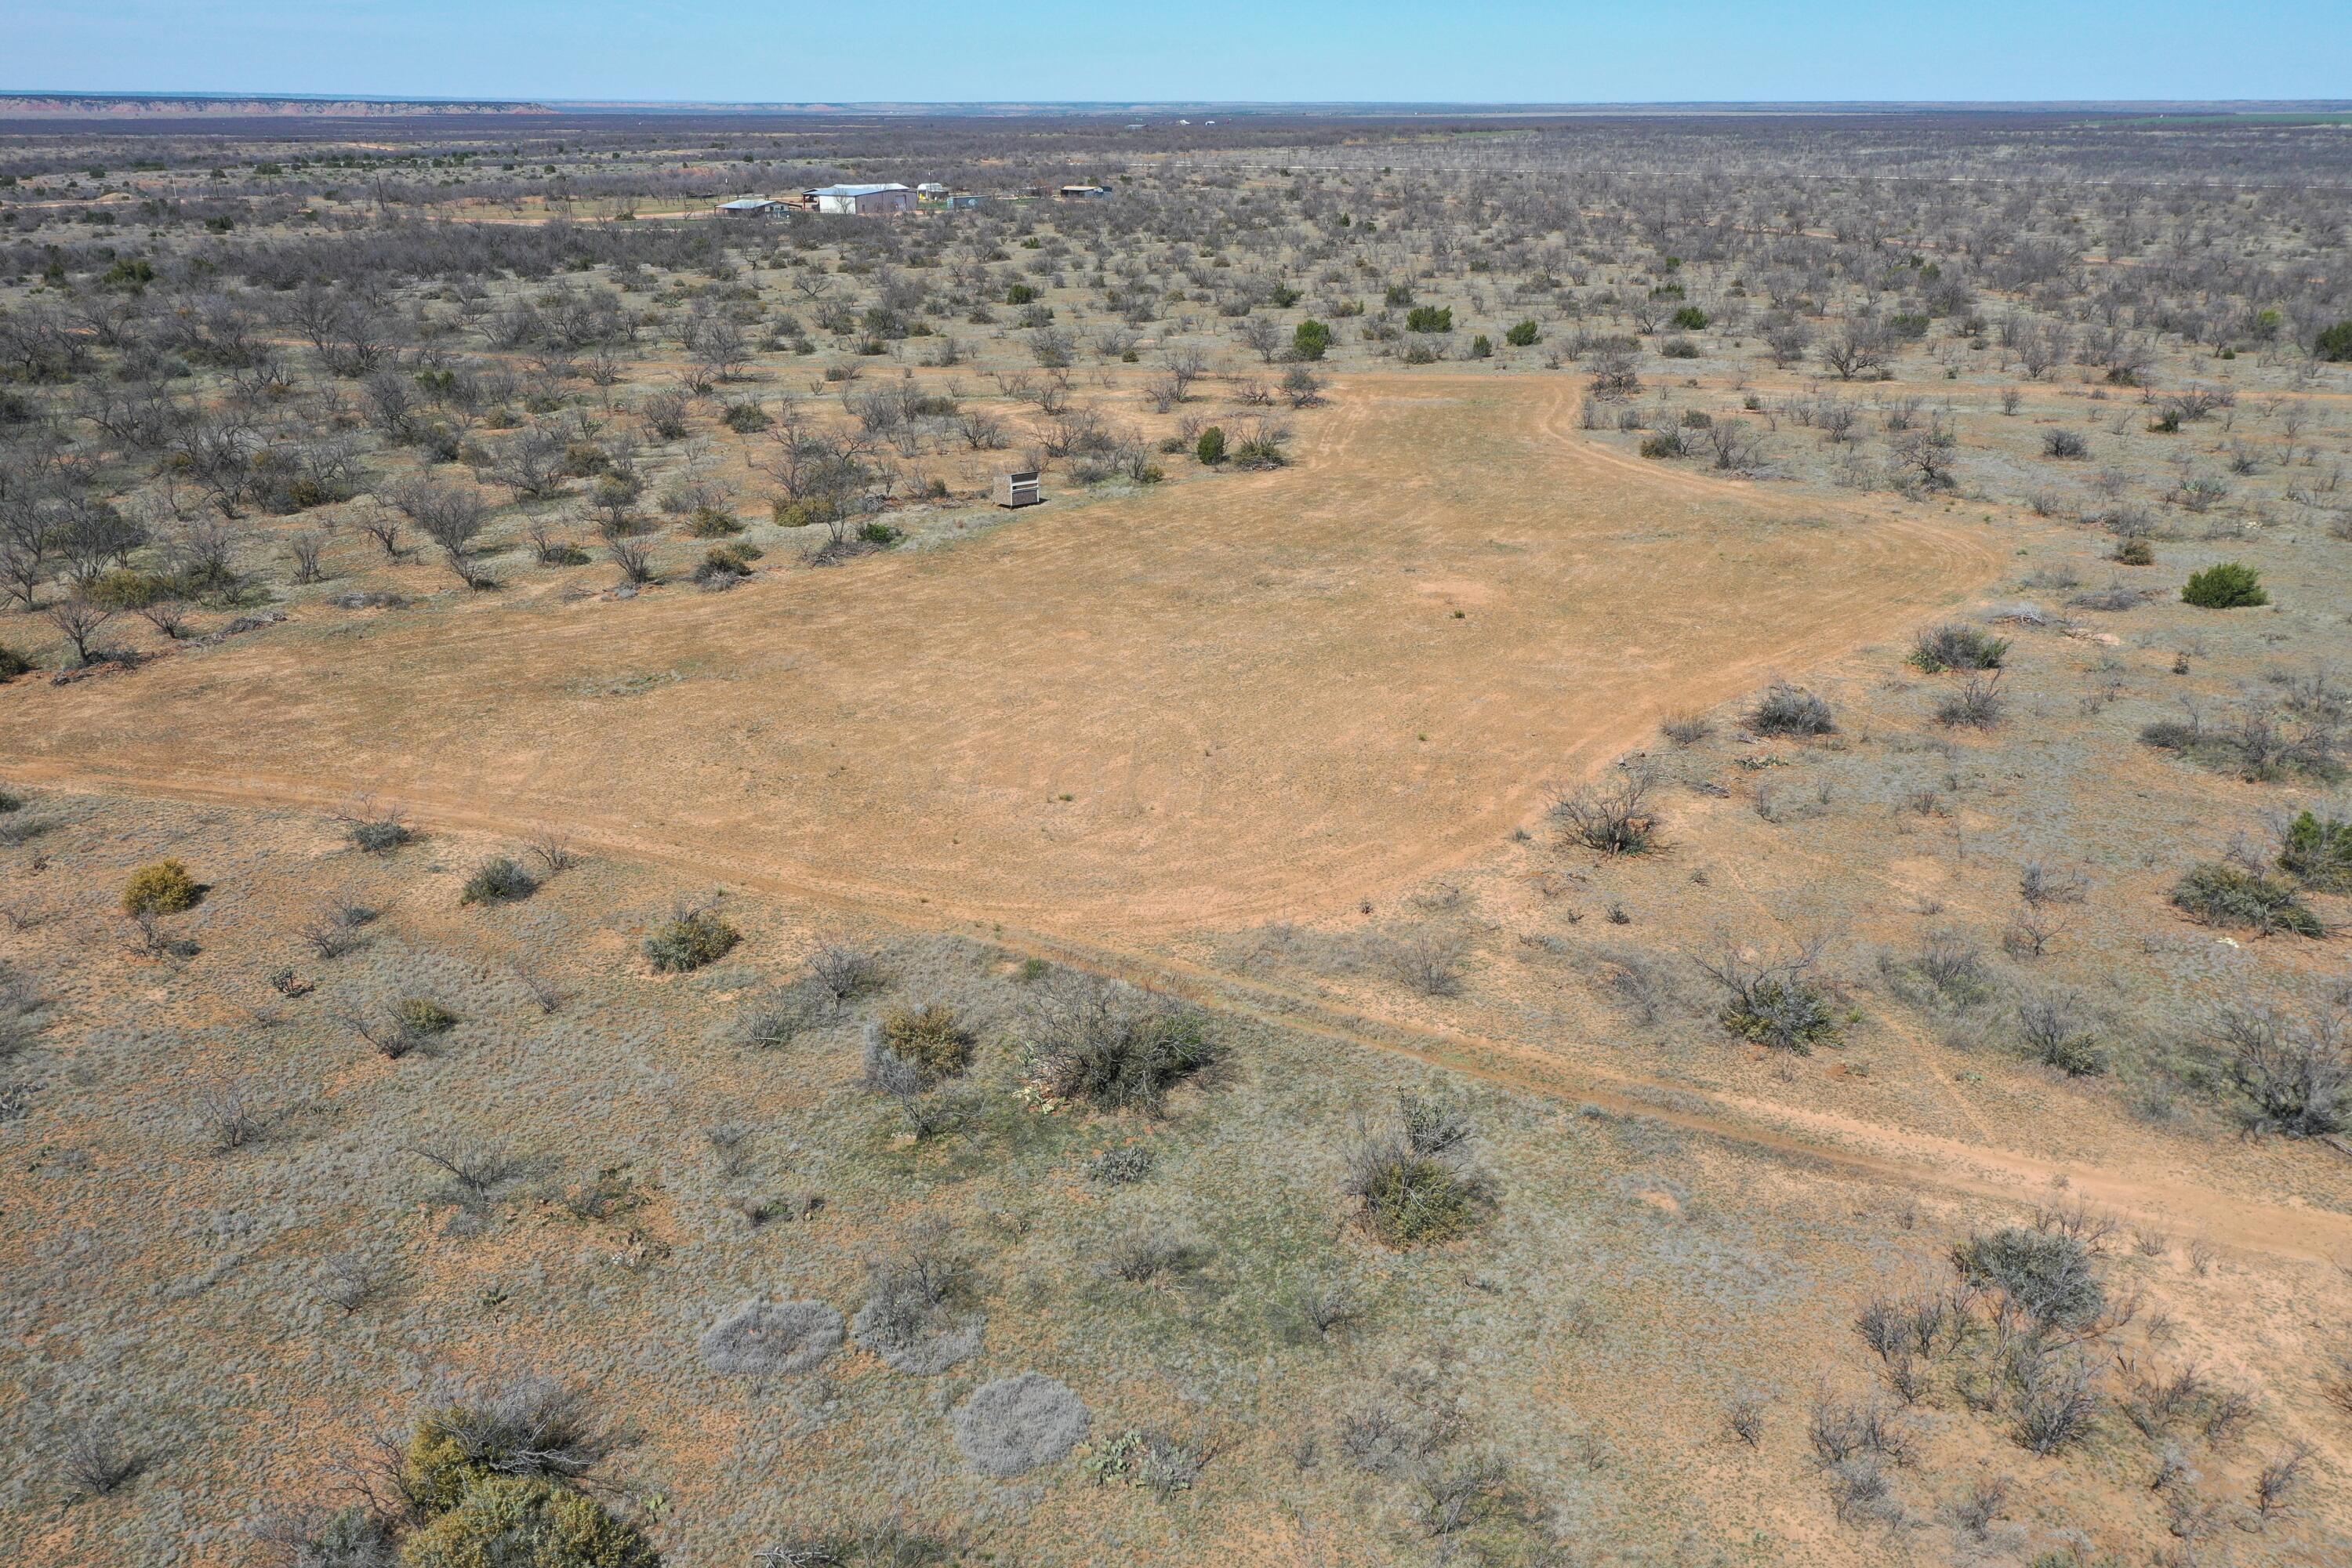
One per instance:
(1272, 695)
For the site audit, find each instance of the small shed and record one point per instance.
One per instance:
(932, 191)
(1085, 193)
(1019, 488)
(748, 206)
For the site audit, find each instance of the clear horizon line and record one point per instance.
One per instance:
(1130, 105)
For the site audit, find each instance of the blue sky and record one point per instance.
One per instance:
(1290, 51)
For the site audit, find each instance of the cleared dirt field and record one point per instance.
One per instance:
(1264, 695)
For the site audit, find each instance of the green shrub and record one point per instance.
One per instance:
(1415, 1200)
(1523, 334)
(497, 880)
(2052, 1027)
(2317, 852)
(1311, 340)
(880, 533)
(1665, 444)
(2219, 893)
(507, 1521)
(1429, 318)
(2227, 586)
(124, 589)
(1019, 294)
(12, 663)
(1414, 1185)
(160, 888)
(689, 940)
(1260, 452)
(1210, 448)
(1690, 319)
(1482, 347)
(1787, 1013)
(722, 564)
(1122, 1166)
(2137, 551)
(1678, 348)
(930, 1036)
(1954, 647)
(746, 418)
(423, 1016)
(711, 523)
(2334, 342)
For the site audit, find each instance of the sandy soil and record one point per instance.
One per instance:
(1269, 695)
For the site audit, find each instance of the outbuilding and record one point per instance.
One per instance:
(1019, 488)
(748, 206)
(864, 201)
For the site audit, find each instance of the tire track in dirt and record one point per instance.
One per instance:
(1819, 1139)
(1241, 701)
(457, 665)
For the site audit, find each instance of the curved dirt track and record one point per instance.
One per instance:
(1874, 1152)
(1245, 697)
(1233, 676)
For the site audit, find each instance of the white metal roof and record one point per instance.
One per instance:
(853, 190)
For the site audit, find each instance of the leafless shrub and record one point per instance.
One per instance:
(1143, 1253)
(2059, 1401)
(1978, 704)
(846, 972)
(1429, 961)
(1326, 1308)
(2031, 931)
(1843, 1430)
(331, 932)
(478, 1172)
(551, 847)
(230, 1118)
(1612, 817)
(1981, 1507)
(1111, 1045)
(1688, 729)
(96, 1462)
(2038, 884)
(1642, 983)
(352, 1279)
(2227, 1414)
(520, 1424)
(375, 827)
(1745, 1416)
(2055, 1029)
(2297, 1077)
(1779, 1002)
